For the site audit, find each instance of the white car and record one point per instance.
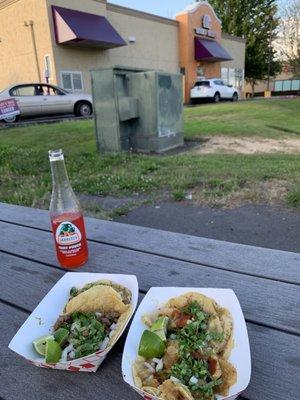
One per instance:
(36, 99)
(213, 89)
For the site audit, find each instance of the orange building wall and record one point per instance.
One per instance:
(188, 22)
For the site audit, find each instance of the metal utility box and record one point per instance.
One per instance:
(137, 110)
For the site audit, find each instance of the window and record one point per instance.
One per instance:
(231, 77)
(278, 86)
(72, 81)
(219, 82)
(48, 69)
(202, 83)
(47, 90)
(224, 75)
(295, 84)
(28, 90)
(286, 85)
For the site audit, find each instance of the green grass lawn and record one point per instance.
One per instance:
(274, 118)
(25, 174)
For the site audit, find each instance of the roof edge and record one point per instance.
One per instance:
(140, 14)
(191, 8)
(233, 37)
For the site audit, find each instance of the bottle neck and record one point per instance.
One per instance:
(63, 199)
(60, 179)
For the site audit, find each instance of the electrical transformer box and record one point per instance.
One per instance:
(137, 110)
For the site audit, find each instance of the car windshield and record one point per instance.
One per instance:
(59, 89)
(202, 83)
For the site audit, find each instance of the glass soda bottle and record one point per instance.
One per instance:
(66, 216)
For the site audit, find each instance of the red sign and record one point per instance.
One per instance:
(8, 108)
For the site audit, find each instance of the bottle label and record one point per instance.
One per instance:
(67, 234)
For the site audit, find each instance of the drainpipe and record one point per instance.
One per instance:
(30, 25)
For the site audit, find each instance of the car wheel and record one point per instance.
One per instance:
(11, 120)
(217, 97)
(194, 101)
(235, 97)
(83, 109)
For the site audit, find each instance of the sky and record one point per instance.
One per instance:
(165, 8)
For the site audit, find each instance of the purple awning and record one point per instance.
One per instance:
(84, 29)
(210, 50)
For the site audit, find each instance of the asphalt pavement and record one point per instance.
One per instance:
(257, 225)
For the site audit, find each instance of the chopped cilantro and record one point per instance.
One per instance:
(193, 338)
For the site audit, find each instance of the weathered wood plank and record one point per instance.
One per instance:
(257, 261)
(267, 302)
(275, 367)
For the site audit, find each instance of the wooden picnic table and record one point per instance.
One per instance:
(265, 281)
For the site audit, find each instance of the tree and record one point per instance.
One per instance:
(256, 21)
(288, 40)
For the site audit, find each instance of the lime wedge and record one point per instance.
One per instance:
(151, 345)
(61, 336)
(160, 327)
(39, 344)
(160, 323)
(161, 333)
(53, 352)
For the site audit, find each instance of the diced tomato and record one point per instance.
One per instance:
(212, 365)
(180, 319)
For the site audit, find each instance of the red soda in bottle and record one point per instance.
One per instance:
(66, 216)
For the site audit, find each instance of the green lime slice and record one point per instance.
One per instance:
(151, 345)
(160, 327)
(61, 336)
(161, 333)
(53, 352)
(160, 324)
(39, 344)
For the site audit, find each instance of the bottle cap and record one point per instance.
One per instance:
(56, 155)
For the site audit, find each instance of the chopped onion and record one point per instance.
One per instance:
(159, 366)
(113, 327)
(156, 360)
(149, 366)
(98, 314)
(193, 380)
(172, 336)
(72, 354)
(104, 344)
(175, 380)
(65, 352)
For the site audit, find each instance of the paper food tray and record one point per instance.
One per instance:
(157, 296)
(42, 319)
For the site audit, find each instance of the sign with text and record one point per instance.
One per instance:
(206, 30)
(8, 108)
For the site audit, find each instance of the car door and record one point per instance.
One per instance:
(228, 91)
(55, 101)
(223, 89)
(28, 100)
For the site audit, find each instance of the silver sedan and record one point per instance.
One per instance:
(35, 99)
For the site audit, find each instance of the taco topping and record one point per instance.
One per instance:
(92, 320)
(198, 341)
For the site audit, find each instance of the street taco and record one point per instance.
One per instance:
(183, 355)
(91, 321)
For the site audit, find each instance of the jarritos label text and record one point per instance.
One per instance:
(67, 234)
(68, 238)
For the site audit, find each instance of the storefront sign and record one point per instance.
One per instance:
(206, 21)
(206, 30)
(8, 108)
